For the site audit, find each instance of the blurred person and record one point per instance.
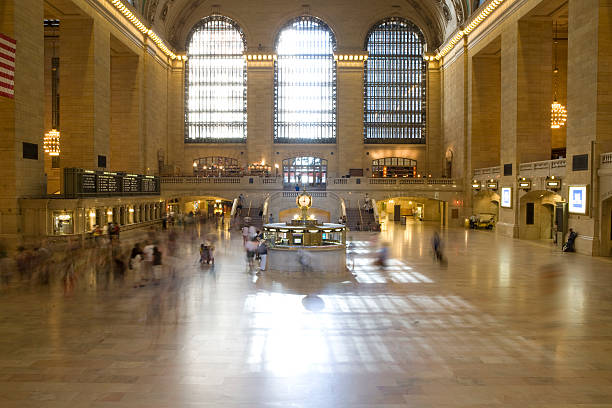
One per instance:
(251, 249)
(304, 260)
(136, 265)
(148, 260)
(252, 232)
(157, 265)
(437, 248)
(382, 255)
(262, 250)
(245, 234)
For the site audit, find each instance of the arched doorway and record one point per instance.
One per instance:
(485, 204)
(413, 208)
(537, 214)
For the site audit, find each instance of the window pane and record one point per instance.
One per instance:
(215, 81)
(305, 83)
(394, 91)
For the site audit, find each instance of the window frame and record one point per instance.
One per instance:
(200, 24)
(406, 126)
(334, 87)
(294, 165)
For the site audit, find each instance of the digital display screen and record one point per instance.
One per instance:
(297, 240)
(578, 199)
(506, 197)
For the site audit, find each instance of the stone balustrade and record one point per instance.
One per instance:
(606, 160)
(543, 168)
(276, 183)
(487, 172)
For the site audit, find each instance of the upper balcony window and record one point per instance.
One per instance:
(395, 88)
(215, 83)
(305, 83)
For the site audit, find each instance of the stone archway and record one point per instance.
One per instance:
(536, 213)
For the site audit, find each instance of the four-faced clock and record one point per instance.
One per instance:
(304, 201)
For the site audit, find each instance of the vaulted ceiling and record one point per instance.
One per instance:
(173, 19)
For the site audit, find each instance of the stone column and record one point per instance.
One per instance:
(349, 138)
(435, 157)
(21, 117)
(589, 129)
(260, 120)
(526, 88)
(126, 145)
(85, 93)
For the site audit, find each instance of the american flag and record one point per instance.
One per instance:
(7, 66)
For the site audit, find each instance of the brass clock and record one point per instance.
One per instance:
(304, 200)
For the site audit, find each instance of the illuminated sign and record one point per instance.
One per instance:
(553, 184)
(578, 200)
(475, 185)
(524, 184)
(506, 197)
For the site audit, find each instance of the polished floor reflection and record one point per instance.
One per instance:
(506, 323)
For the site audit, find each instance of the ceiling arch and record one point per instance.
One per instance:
(173, 19)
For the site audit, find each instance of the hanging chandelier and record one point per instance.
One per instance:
(558, 113)
(51, 142)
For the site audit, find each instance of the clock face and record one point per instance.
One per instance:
(304, 201)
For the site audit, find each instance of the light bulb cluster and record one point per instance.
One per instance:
(476, 21)
(558, 115)
(260, 57)
(350, 57)
(127, 13)
(51, 142)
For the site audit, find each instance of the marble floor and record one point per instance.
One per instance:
(507, 323)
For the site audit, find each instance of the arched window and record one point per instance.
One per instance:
(217, 166)
(305, 83)
(394, 167)
(307, 171)
(215, 82)
(395, 89)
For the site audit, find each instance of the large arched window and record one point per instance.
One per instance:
(395, 89)
(215, 83)
(305, 83)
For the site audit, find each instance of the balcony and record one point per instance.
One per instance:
(606, 161)
(198, 185)
(545, 168)
(487, 173)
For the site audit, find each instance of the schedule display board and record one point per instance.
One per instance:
(89, 183)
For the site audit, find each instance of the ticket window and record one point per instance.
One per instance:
(63, 223)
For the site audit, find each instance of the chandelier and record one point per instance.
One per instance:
(558, 113)
(51, 142)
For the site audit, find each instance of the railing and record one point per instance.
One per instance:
(383, 181)
(606, 158)
(485, 171)
(315, 194)
(339, 183)
(542, 165)
(227, 180)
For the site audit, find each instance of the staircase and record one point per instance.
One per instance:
(359, 222)
(256, 219)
